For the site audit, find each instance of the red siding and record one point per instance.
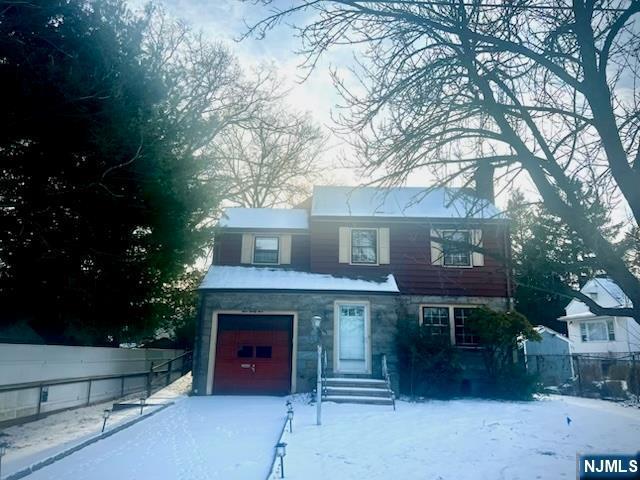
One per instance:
(410, 258)
(228, 246)
(411, 262)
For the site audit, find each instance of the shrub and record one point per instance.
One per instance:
(498, 334)
(429, 365)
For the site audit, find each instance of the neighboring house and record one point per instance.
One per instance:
(362, 259)
(594, 334)
(550, 357)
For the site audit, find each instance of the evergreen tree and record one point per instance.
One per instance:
(102, 202)
(548, 258)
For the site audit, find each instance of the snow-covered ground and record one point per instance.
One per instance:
(457, 440)
(197, 438)
(34, 441)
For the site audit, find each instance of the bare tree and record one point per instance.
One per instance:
(548, 89)
(270, 159)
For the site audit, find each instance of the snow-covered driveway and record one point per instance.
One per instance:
(197, 438)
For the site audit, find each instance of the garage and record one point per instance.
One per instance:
(253, 354)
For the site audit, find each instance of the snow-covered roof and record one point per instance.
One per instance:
(275, 218)
(257, 278)
(542, 328)
(604, 291)
(412, 202)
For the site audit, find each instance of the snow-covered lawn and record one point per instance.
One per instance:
(456, 440)
(197, 438)
(34, 441)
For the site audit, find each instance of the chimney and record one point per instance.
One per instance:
(483, 178)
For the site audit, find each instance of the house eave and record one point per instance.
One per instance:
(291, 290)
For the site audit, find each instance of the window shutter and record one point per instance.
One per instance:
(246, 253)
(478, 257)
(436, 249)
(285, 249)
(383, 246)
(344, 244)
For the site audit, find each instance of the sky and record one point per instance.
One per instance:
(226, 21)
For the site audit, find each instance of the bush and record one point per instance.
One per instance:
(498, 334)
(429, 365)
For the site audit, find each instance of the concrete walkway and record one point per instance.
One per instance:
(198, 438)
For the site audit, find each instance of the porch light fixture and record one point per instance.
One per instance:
(290, 416)
(3, 451)
(105, 416)
(281, 451)
(142, 402)
(316, 320)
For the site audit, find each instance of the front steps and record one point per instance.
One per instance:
(367, 391)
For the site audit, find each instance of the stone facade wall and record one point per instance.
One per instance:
(384, 316)
(385, 312)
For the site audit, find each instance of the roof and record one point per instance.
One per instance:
(274, 218)
(542, 328)
(408, 202)
(608, 295)
(259, 278)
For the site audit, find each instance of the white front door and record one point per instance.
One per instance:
(352, 349)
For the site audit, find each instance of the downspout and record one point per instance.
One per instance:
(615, 320)
(507, 265)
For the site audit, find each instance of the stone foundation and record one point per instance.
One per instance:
(385, 312)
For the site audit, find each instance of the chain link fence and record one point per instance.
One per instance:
(606, 376)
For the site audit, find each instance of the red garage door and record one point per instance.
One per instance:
(253, 355)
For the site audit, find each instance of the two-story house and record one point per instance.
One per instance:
(597, 334)
(361, 259)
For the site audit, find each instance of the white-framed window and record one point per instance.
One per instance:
(266, 250)
(364, 246)
(463, 334)
(436, 320)
(452, 320)
(597, 331)
(456, 254)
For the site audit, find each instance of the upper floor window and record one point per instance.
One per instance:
(456, 254)
(598, 331)
(364, 245)
(266, 250)
(456, 248)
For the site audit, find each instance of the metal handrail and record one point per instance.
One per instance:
(188, 352)
(387, 379)
(162, 372)
(65, 381)
(324, 371)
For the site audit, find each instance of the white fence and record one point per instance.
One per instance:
(43, 370)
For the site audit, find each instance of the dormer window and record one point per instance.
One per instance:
(364, 245)
(266, 250)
